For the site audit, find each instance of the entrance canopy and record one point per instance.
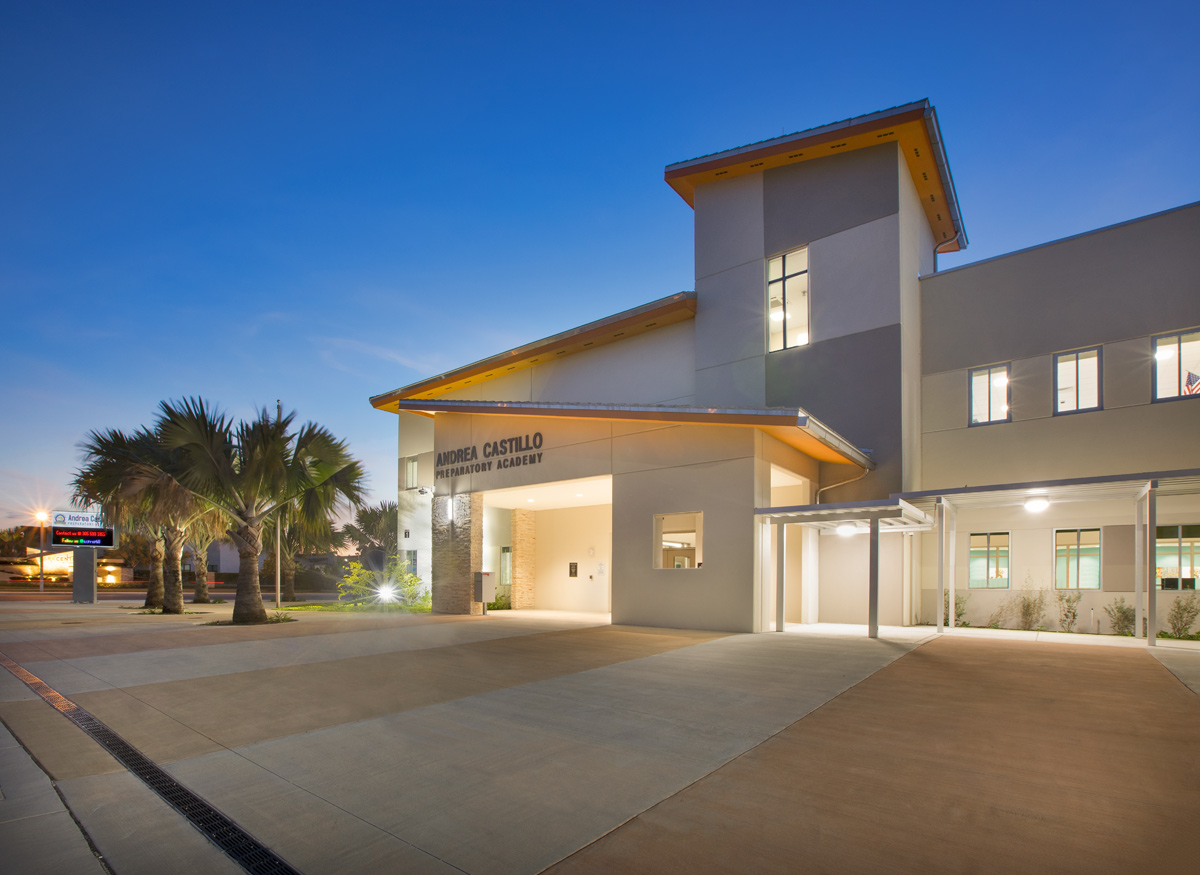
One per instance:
(892, 514)
(888, 514)
(790, 425)
(1117, 487)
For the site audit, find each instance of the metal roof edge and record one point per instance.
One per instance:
(935, 136)
(770, 416)
(1055, 242)
(801, 135)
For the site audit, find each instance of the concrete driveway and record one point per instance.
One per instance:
(524, 741)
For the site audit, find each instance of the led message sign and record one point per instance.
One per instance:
(74, 528)
(76, 536)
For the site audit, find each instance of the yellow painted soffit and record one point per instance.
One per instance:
(908, 129)
(791, 434)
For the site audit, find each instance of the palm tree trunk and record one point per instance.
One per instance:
(288, 569)
(248, 604)
(154, 586)
(201, 596)
(173, 538)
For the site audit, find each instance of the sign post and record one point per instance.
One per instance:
(83, 532)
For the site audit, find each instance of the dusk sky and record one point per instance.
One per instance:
(324, 202)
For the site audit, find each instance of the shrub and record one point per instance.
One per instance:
(960, 608)
(396, 588)
(1068, 609)
(1183, 614)
(999, 617)
(1030, 607)
(1122, 616)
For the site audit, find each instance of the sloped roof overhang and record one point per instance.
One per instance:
(628, 323)
(914, 126)
(791, 426)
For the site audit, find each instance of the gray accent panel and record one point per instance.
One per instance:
(852, 384)
(813, 199)
(1116, 558)
(1128, 370)
(1121, 282)
(1032, 388)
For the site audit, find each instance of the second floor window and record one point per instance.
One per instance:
(1177, 365)
(989, 394)
(787, 300)
(1077, 381)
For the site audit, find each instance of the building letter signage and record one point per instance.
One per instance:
(511, 452)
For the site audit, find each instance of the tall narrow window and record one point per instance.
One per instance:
(1077, 381)
(988, 561)
(1077, 558)
(989, 394)
(1177, 366)
(410, 556)
(1177, 557)
(410, 472)
(787, 300)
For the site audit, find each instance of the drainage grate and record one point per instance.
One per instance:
(242, 847)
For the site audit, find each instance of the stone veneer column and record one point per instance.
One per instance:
(457, 553)
(522, 558)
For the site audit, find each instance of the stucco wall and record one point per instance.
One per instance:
(845, 572)
(1139, 278)
(657, 367)
(582, 535)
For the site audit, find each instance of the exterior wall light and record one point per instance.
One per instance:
(1037, 504)
(847, 529)
(1164, 352)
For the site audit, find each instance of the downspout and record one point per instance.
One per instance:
(953, 239)
(858, 476)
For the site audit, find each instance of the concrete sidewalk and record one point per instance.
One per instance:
(508, 743)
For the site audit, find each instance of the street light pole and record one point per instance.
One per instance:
(41, 517)
(278, 515)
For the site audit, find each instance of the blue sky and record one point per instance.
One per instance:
(323, 202)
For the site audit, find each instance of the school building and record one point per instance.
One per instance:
(828, 428)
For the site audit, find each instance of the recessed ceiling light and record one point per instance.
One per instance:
(1037, 504)
(846, 529)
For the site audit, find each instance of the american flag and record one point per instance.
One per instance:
(1191, 385)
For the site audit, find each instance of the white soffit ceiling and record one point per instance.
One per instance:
(586, 492)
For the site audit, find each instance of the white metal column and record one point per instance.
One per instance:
(939, 515)
(873, 583)
(951, 537)
(1151, 563)
(780, 574)
(1139, 560)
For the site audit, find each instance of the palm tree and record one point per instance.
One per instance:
(12, 541)
(129, 477)
(376, 527)
(250, 469)
(202, 534)
(297, 536)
